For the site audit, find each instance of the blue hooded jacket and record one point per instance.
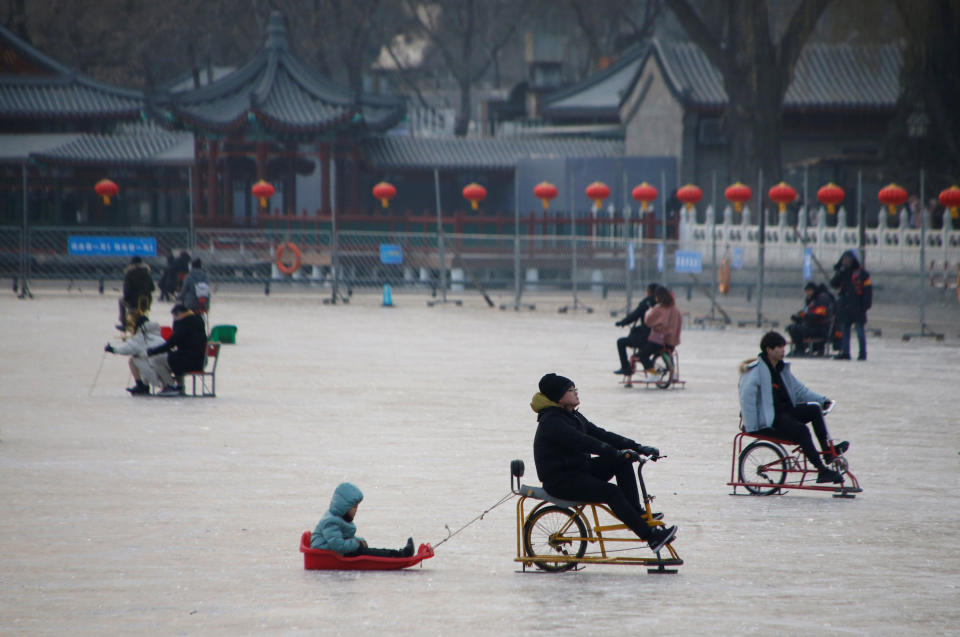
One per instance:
(333, 533)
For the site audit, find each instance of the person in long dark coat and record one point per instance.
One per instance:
(855, 292)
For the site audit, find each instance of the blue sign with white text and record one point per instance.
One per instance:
(631, 257)
(738, 258)
(807, 264)
(687, 261)
(97, 246)
(659, 257)
(391, 254)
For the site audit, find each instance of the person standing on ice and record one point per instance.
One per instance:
(856, 297)
(336, 531)
(575, 459)
(774, 403)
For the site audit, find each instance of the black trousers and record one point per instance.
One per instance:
(375, 552)
(791, 425)
(647, 351)
(636, 338)
(622, 498)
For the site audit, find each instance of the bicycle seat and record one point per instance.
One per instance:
(541, 494)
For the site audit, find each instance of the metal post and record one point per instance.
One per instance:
(516, 239)
(803, 211)
(191, 233)
(761, 247)
(334, 239)
(25, 243)
(440, 244)
(663, 232)
(573, 238)
(713, 244)
(924, 332)
(626, 242)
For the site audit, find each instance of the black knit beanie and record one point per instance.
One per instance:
(554, 387)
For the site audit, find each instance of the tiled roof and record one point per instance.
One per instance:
(826, 77)
(490, 154)
(282, 94)
(50, 90)
(598, 96)
(134, 144)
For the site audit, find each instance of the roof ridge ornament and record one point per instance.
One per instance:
(276, 32)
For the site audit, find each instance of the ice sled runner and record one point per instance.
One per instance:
(321, 560)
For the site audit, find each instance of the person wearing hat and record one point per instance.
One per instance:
(146, 370)
(186, 348)
(813, 321)
(575, 459)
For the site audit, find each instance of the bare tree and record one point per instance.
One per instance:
(738, 38)
(610, 25)
(467, 35)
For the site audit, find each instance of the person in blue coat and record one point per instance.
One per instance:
(336, 531)
(774, 403)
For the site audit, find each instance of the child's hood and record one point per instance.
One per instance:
(345, 497)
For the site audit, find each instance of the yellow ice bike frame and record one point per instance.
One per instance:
(555, 534)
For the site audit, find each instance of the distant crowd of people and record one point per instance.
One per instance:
(156, 361)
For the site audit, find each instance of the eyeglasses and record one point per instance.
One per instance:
(574, 390)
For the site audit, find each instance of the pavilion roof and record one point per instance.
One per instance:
(131, 144)
(278, 92)
(34, 86)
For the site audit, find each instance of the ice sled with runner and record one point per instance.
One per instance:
(322, 560)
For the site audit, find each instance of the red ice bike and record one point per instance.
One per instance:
(764, 465)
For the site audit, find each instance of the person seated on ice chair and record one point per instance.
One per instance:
(813, 321)
(638, 333)
(665, 323)
(146, 370)
(186, 348)
(774, 403)
(575, 459)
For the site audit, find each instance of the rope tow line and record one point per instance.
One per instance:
(450, 533)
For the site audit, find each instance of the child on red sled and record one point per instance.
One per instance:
(336, 531)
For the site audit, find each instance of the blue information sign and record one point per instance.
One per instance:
(659, 257)
(808, 264)
(631, 257)
(391, 254)
(687, 261)
(98, 246)
(737, 258)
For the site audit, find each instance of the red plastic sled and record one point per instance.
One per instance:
(321, 560)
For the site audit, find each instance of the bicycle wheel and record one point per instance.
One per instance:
(663, 363)
(763, 462)
(554, 531)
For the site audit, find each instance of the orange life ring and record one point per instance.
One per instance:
(297, 257)
(723, 276)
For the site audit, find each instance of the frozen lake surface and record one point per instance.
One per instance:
(183, 516)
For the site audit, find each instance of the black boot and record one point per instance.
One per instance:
(139, 389)
(407, 550)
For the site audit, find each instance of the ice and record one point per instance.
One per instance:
(183, 516)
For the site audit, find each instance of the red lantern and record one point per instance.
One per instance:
(644, 193)
(892, 195)
(106, 189)
(738, 194)
(545, 192)
(690, 195)
(782, 194)
(263, 191)
(384, 191)
(474, 193)
(598, 191)
(830, 195)
(950, 198)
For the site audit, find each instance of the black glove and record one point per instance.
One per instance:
(653, 452)
(620, 323)
(628, 454)
(152, 350)
(108, 348)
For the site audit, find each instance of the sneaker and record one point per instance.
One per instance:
(407, 550)
(829, 475)
(862, 357)
(660, 536)
(171, 390)
(840, 448)
(842, 357)
(139, 389)
(625, 372)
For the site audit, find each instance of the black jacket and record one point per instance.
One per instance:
(637, 315)
(564, 442)
(137, 282)
(854, 289)
(190, 338)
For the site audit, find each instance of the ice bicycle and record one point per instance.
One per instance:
(666, 365)
(765, 465)
(555, 534)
